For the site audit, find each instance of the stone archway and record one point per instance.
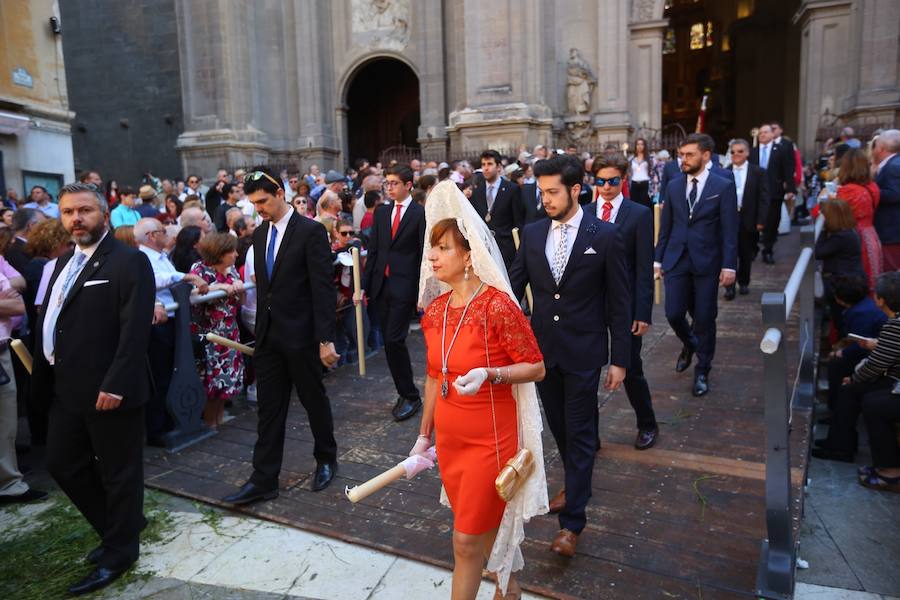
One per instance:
(382, 104)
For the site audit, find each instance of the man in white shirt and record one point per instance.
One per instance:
(753, 205)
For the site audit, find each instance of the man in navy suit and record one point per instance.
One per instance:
(778, 161)
(575, 264)
(531, 200)
(670, 172)
(498, 202)
(391, 280)
(885, 157)
(635, 224)
(697, 252)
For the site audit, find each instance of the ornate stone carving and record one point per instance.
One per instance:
(643, 10)
(579, 132)
(580, 83)
(380, 23)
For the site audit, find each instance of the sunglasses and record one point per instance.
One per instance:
(613, 181)
(257, 175)
(345, 233)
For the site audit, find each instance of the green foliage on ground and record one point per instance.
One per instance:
(42, 555)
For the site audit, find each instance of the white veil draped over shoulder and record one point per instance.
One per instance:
(446, 202)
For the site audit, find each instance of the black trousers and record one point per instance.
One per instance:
(394, 315)
(881, 411)
(638, 390)
(748, 244)
(842, 434)
(97, 460)
(161, 353)
(640, 192)
(278, 369)
(838, 368)
(570, 403)
(770, 233)
(699, 294)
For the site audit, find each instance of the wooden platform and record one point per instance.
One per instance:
(683, 520)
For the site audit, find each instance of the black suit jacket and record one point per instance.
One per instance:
(297, 307)
(507, 213)
(17, 256)
(102, 332)
(780, 170)
(534, 208)
(635, 223)
(403, 253)
(585, 321)
(670, 172)
(755, 203)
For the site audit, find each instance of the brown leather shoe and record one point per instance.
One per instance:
(558, 502)
(565, 543)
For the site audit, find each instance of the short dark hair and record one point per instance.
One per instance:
(610, 161)
(401, 170)
(703, 141)
(226, 189)
(850, 289)
(23, 218)
(491, 154)
(79, 188)
(262, 182)
(371, 198)
(887, 287)
(85, 175)
(568, 168)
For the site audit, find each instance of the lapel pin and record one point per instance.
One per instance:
(97, 263)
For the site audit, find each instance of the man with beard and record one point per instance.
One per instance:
(697, 252)
(90, 360)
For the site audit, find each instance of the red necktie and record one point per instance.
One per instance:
(607, 211)
(395, 225)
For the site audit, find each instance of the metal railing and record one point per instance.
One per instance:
(775, 577)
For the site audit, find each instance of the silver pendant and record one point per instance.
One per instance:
(445, 389)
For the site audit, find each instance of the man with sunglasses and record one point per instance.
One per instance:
(635, 224)
(292, 263)
(391, 280)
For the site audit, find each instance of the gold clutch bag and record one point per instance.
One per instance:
(514, 474)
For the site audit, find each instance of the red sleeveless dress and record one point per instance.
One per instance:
(467, 446)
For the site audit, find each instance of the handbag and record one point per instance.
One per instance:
(517, 469)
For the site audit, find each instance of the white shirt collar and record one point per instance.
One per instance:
(406, 202)
(885, 161)
(777, 140)
(702, 176)
(151, 253)
(743, 167)
(89, 250)
(574, 221)
(616, 202)
(283, 221)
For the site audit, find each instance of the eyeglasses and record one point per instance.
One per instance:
(163, 231)
(345, 233)
(613, 181)
(389, 183)
(257, 175)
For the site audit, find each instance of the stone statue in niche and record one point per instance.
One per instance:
(580, 83)
(380, 23)
(579, 132)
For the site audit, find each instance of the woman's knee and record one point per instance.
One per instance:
(467, 546)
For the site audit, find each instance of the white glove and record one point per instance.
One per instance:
(417, 463)
(470, 383)
(421, 446)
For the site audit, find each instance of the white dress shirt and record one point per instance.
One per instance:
(640, 170)
(616, 203)
(403, 208)
(701, 178)
(55, 299)
(740, 181)
(882, 164)
(280, 227)
(165, 274)
(553, 237)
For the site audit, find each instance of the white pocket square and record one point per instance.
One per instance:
(95, 282)
(715, 196)
(590, 250)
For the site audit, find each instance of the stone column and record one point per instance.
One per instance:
(645, 73)
(215, 52)
(432, 136)
(825, 65)
(876, 71)
(611, 119)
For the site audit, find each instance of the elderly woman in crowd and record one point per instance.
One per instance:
(223, 367)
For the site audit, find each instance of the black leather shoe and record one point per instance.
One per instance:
(96, 579)
(768, 258)
(94, 555)
(684, 359)
(701, 385)
(406, 408)
(829, 454)
(325, 472)
(646, 439)
(744, 290)
(729, 293)
(250, 492)
(30, 495)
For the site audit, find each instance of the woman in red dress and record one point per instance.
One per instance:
(479, 344)
(859, 191)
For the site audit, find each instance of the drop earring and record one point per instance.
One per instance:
(466, 274)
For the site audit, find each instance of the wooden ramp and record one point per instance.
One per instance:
(682, 520)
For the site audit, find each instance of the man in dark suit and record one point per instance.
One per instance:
(499, 203)
(885, 157)
(24, 220)
(391, 280)
(575, 265)
(531, 200)
(91, 360)
(697, 252)
(778, 161)
(787, 147)
(635, 224)
(295, 326)
(671, 170)
(751, 187)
